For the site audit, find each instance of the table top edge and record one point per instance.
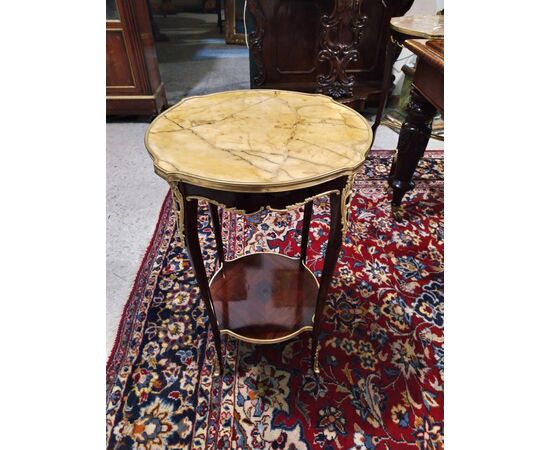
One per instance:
(414, 33)
(178, 176)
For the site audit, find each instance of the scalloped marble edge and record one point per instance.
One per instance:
(264, 186)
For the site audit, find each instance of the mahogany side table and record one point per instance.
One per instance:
(255, 150)
(402, 28)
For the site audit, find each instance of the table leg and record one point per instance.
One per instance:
(413, 139)
(305, 230)
(195, 256)
(386, 82)
(219, 12)
(331, 258)
(217, 231)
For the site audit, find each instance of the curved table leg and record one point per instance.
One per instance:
(217, 231)
(195, 255)
(413, 139)
(331, 258)
(305, 230)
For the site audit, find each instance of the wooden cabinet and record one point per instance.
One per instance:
(133, 78)
(335, 47)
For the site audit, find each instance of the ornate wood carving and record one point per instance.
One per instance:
(255, 42)
(339, 47)
(334, 47)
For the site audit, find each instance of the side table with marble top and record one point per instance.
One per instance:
(255, 150)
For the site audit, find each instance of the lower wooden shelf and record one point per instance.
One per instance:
(264, 298)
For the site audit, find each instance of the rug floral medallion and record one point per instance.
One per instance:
(381, 354)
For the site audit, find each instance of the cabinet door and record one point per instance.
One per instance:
(132, 73)
(122, 52)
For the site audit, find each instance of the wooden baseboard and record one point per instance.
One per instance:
(137, 104)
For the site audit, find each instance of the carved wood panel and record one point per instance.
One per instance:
(331, 46)
(340, 36)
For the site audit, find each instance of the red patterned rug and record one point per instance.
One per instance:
(381, 354)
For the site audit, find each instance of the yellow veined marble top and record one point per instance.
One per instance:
(257, 140)
(419, 26)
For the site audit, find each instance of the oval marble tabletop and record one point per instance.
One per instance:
(258, 140)
(419, 26)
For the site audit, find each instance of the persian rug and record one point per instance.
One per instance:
(381, 354)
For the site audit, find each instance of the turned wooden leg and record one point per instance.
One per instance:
(305, 230)
(195, 256)
(217, 231)
(413, 139)
(331, 258)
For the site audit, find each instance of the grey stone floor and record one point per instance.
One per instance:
(134, 198)
(194, 61)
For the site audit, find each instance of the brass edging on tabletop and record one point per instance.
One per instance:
(257, 187)
(266, 341)
(289, 208)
